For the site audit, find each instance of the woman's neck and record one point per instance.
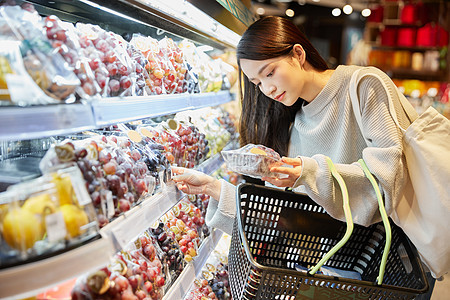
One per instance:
(317, 82)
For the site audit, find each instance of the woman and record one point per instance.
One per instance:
(295, 105)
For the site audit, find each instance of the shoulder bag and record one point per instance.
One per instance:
(424, 210)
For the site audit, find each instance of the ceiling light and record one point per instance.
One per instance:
(260, 11)
(289, 12)
(316, 0)
(366, 12)
(347, 9)
(336, 12)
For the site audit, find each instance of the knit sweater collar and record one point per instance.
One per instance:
(330, 90)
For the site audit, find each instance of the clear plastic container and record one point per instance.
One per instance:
(253, 160)
(45, 215)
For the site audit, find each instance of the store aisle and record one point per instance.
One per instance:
(441, 290)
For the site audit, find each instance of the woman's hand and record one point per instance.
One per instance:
(293, 173)
(194, 182)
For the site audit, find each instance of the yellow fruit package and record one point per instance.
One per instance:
(44, 215)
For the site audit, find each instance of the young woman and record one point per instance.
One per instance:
(295, 105)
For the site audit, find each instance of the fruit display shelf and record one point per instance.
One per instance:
(20, 123)
(29, 279)
(129, 225)
(23, 123)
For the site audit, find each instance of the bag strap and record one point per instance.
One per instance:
(348, 218)
(384, 217)
(354, 81)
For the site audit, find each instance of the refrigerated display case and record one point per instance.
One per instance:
(28, 131)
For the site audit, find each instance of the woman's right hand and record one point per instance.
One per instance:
(194, 182)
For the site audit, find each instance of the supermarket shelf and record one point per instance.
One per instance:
(404, 48)
(404, 73)
(182, 285)
(127, 227)
(21, 123)
(116, 110)
(210, 99)
(28, 280)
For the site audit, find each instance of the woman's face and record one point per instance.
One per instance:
(281, 79)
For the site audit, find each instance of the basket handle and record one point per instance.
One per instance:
(384, 217)
(348, 218)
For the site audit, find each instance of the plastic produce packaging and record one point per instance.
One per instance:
(45, 215)
(43, 63)
(253, 160)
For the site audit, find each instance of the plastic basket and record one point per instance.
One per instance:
(275, 230)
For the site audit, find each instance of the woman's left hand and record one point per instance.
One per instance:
(293, 173)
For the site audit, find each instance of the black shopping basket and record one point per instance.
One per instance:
(277, 231)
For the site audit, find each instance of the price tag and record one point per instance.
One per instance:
(151, 184)
(161, 177)
(56, 227)
(80, 191)
(110, 205)
(15, 86)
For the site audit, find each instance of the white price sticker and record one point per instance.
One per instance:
(56, 227)
(161, 178)
(110, 205)
(15, 86)
(80, 191)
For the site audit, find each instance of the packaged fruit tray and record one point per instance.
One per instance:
(253, 160)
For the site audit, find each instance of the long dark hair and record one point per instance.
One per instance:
(263, 120)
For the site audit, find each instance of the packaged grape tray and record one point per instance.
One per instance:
(253, 160)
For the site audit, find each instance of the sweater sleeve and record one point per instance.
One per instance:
(384, 158)
(221, 213)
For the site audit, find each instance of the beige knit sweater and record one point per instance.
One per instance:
(327, 127)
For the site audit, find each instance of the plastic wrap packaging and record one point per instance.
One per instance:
(253, 160)
(210, 123)
(108, 58)
(45, 215)
(208, 70)
(134, 273)
(176, 79)
(142, 87)
(171, 256)
(149, 47)
(182, 232)
(43, 63)
(115, 172)
(64, 39)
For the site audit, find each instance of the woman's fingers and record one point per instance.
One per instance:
(285, 182)
(189, 189)
(292, 161)
(284, 170)
(178, 170)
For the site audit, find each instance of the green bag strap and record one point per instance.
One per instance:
(348, 218)
(387, 225)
